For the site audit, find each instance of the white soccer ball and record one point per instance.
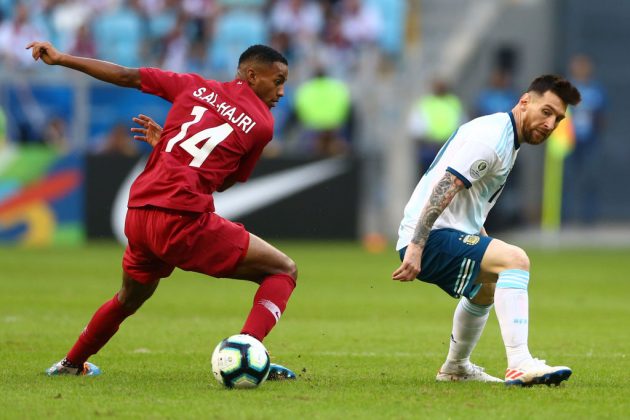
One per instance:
(240, 361)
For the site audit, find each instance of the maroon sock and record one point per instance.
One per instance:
(269, 303)
(99, 330)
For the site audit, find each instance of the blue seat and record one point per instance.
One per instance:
(393, 14)
(119, 37)
(235, 30)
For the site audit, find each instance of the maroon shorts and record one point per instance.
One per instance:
(160, 240)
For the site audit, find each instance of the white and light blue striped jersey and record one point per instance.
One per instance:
(481, 154)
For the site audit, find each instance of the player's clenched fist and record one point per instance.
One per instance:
(45, 51)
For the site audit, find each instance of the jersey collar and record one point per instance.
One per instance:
(516, 142)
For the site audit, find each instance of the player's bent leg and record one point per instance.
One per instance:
(511, 300)
(276, 273)
(511, 264)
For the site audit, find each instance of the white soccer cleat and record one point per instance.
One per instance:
(536, 372)
(468, 372)
(63, 368)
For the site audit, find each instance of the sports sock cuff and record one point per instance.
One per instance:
(513, 279)
(289, 279)
(474, 308)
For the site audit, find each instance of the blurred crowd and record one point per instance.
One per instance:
(322, 39)
(203, 36)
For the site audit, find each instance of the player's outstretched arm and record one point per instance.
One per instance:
(149, 131)
(442, 195)
(102, 70)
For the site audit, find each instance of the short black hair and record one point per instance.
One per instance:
(558, 85)
(261, 53)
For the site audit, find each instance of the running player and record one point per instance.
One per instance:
(213, 135)
(442, 239)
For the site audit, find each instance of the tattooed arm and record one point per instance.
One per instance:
(442, 195)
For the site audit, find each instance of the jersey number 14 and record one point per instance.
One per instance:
(210, 137)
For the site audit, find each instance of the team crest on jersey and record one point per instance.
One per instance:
(478, 169)
(471, 239)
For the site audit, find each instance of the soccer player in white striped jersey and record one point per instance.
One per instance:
(442, 239)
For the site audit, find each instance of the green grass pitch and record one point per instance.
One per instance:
(363, 345)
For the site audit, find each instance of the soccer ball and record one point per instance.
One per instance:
(240, 361)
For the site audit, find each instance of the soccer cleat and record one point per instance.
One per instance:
(280, 373)
(468, 372)
(65, 368)
(536, 372)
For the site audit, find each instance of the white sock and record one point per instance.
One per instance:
(511, 304)
(469, 321)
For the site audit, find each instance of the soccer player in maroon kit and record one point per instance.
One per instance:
(213, 135)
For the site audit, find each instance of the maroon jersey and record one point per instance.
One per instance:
(214, 131)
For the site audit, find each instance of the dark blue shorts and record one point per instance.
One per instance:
(452, 260)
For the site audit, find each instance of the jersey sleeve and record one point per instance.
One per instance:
(165, 84)
(473, 161)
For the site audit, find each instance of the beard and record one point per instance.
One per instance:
(535, 136)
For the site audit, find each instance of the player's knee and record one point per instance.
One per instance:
(290, 268)
(286, 265)
(517, 259)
